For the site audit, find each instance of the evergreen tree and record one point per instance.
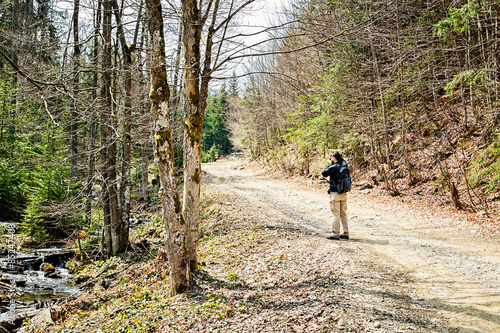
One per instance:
(233, 86)
(215, 138)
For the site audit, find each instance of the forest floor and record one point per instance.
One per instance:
(267, 267)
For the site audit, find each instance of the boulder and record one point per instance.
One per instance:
(47, 268)
(43, 317)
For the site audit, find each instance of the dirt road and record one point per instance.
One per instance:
(454, 272)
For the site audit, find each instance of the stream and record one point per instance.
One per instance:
(32, 279)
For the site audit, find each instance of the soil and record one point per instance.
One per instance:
(404, 270)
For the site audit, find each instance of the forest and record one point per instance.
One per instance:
(408, 90)
(115, 117)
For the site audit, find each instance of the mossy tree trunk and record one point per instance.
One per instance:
(175, 225)
(193, 123)
(195, 93)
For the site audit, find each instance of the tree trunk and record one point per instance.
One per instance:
(145, 160)
(177, 129)
(175, 225)
(14, 51)
(384, 111)
(14, 26)
(193, 124)
(125, 187)
(404, 133)
(112, 222)
(145, 130)
(74, 107)
(28, 14)
(90, 175)
(105, 111)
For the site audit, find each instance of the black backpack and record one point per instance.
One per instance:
(344, 184)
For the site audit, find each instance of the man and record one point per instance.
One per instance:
(338, 201)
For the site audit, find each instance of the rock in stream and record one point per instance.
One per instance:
(30, 282)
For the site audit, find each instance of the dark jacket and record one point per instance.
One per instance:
(333, 171)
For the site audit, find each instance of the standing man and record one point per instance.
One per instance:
(338, 201)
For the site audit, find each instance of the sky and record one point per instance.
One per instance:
(265, 12)
(261, 14)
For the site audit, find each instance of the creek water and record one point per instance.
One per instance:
(32, 287)
(38, 286)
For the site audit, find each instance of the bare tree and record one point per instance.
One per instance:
(175, 224)
(112, 222)
(125, 187)
(198, 72)
(93, 118)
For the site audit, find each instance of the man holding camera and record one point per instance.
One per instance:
(338, 201)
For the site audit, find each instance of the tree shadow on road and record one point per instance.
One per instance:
(369, 241)
(326, 298)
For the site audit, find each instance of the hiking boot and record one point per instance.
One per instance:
(344, 236)
(332, 237)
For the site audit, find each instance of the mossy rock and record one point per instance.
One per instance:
(48, 268)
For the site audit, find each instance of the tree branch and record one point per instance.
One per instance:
(326, 40)
(34, 82)
(231, 16)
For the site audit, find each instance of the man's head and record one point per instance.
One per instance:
(336, 157)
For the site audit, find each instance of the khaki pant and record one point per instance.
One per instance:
(338, 206)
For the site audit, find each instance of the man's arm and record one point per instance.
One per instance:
(328, 171)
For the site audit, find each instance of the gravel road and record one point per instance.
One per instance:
(454, 272)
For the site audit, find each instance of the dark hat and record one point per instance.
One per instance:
(337, 156)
